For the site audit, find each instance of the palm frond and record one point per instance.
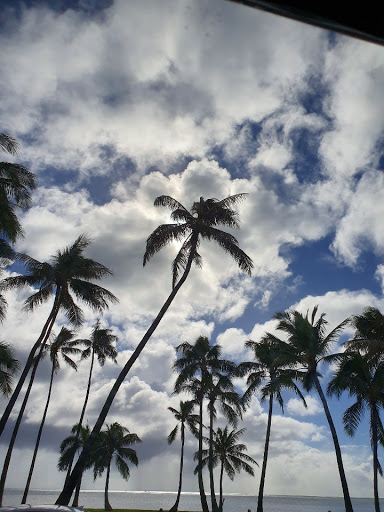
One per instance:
(231, 246)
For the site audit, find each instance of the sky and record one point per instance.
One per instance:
(116, 102)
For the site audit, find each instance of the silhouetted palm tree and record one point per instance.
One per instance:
(16, 184)
(99, 345)
(363, 378)
(229, 454)
(68, 448)
(220, 389)
(369, 332)
(9, 367)
(265, 369)
(308, 345)
(202, 359)
(65, 346)
(114, 443)
(191, 227)
(67, 273)
(184, 416)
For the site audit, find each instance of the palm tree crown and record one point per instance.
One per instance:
(9, 366)
(201, 222)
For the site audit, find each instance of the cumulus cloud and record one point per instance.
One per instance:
(296, 407)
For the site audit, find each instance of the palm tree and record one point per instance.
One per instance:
(276, 378)
(203, 359)
(229, 454)
(114, 443)
(99, 345)
(184, 416)
(67, 273)
(201, 223)
(9, 366)
(65, 346)
(16, 184)
(369, 332)
(68, 448)
(220, 389)
(308, 345)
(363, 377)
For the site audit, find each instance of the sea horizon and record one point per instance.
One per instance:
(190, 500)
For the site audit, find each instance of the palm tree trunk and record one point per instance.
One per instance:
(221, 487)
(265, 458)
(176, 505)
(203, 497)
(12, 441)
(78, 469)
(210, 463)
(28, 365)
(344, 485)
(375, 459)
(31, 469)
(107, 505)
(75, 502)
(77, 435)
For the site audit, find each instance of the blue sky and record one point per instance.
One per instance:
(117, 102)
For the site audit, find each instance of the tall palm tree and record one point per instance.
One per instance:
(363, 378)
(9, 366)
(265, 369)
(67, 273)
(191, 227)
(114, 443)
(68, 448)
(99, 345)
(202, 359)
(229, 454)
(220, 389)
(308, 345)
(184, 416)
(65, 346)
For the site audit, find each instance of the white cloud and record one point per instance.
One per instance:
(296, 407)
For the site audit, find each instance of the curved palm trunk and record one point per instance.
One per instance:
(221, 501)
(203, 497)
(79, 467)
(75, 502)
(31, 469)
(265, 458)
(107, 505)
(375, 459)
(344, 485)
(28, 365)
(12, 441)
(77, 435)
(210, 463)
(176, 505)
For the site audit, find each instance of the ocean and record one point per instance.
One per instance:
(154, 500)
